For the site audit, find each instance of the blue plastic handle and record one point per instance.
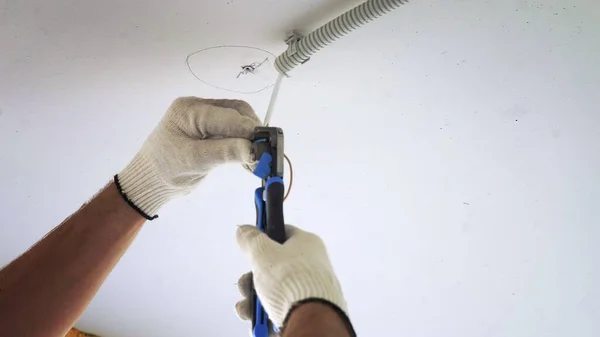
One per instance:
(260, 325)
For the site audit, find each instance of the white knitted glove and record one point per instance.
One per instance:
(194, 136)
(285, 275)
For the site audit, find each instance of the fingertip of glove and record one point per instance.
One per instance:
(246, 233)
(250, 166)
(243, 309)
(245, 285)
(242, 227)
(251, 240)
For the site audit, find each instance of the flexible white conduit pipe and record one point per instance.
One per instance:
(301, 50)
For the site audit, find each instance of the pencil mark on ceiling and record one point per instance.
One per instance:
(258, 64)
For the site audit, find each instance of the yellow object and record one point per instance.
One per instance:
(77, 333)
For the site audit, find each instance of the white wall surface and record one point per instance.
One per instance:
(448, 154)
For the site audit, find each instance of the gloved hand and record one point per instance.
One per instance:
(245, 307)
(194, 136)
(285, 275)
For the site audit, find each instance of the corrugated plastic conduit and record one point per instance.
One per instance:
(301, 48)
(299, 51)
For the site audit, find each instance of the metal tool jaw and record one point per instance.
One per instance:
(267, 148)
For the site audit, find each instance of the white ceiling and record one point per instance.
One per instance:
(448, 153)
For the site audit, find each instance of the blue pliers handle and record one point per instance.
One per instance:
(260, 321)
(268, 201)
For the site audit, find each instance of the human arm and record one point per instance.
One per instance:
(45, 290)
(295, 283)
(315, 319)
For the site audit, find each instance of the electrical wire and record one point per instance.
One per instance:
(273, 99)
(289, 189)
(291, 182)
(266, 122)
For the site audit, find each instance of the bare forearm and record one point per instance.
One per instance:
(43, 292)
(315, 320)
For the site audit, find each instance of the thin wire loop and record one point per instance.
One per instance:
(289, 189)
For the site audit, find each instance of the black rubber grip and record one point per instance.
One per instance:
(274, 209)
